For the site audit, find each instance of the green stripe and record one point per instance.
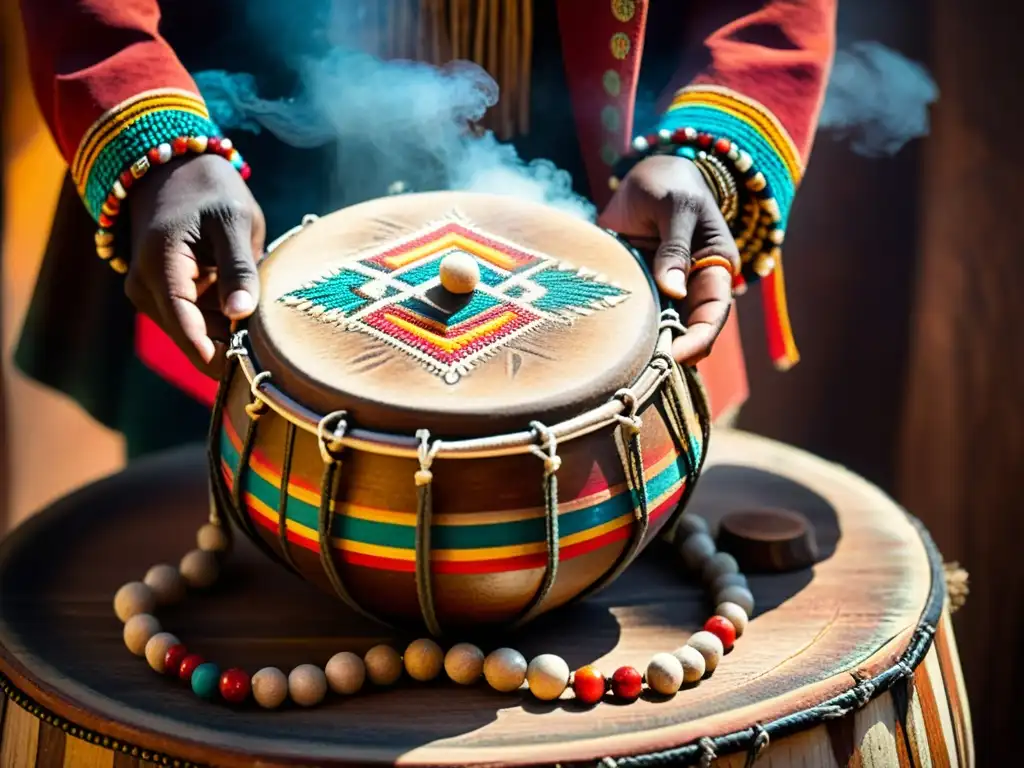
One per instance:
(505, 534)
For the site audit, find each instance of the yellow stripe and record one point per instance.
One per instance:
(496, 257)
(457, 343)
(373, 514)
(792, 354)
(116, 129)
(749, 111)
(458, 555)
(114, 113)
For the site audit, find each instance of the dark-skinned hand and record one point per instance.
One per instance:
(196, 235)
(664, 199)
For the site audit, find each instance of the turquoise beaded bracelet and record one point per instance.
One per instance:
(158, 155)
(757, 226)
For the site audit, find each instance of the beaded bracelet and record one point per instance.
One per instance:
(158, 155)
(547, 676)
(757, 223)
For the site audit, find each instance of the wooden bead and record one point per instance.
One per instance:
(690, 524)
(346, 673)
(138, 630)
(464, 663)
(505, 669)
(156, 650)
(739, 595)
(166, 584)
(212, 538)
(270, 687)
(722, 628)
(234, 685)
(423, 660)
(383, 665)
(735, 614)
(692, 662)
(695, 549)
(132, 599)
(205, 680)
(727, 580)
(307, 685)
(588, 684)
(709, 646)
(717, 565)
(665, 674)
(548, 676)
(627, 684)
(459, 273)
(199, 569)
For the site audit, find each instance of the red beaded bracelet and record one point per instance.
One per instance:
(158, 155)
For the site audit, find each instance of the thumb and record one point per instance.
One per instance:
(235, 247)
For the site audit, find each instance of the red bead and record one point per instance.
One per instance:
(588, 684)
(704, 140)
(627, 684)
(235, 685)
(679, 137)
(245, 171)
(188, 666)
(213, 145)
(126, 179)
(154, 155)
(113, 203)
(722, 146)
(105, 221)
(172, 660)
(180, 145)
(723, 629)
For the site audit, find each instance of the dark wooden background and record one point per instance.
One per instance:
(907, 288)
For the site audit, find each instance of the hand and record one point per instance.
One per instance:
(665, 198)
(195, 225)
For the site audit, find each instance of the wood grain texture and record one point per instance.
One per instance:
(962, 441)
(19, 742)
(51, 752)
(854, 612)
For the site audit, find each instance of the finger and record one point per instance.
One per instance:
(231, 234)
(175, 297)
(714, 238)
(677, 222)
(708, 307)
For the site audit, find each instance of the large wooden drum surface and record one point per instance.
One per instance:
(851, 662)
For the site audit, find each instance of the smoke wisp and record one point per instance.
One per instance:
(877, 100)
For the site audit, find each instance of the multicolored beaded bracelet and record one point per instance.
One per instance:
(158, 155)
(758, 227)
(547, 676)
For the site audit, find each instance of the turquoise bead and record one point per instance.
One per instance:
(688, 152)
(205, 680)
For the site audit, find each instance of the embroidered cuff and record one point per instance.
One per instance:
(767, 170)
(127, 132)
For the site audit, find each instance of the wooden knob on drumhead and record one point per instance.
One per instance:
(460, 273)
(768, 540)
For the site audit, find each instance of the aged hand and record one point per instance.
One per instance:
(196, 235)
(666, 200)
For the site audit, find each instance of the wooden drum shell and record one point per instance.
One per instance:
(850, 663)
(488, 533)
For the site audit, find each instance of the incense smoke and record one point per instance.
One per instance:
(393, 122)
(877, 99)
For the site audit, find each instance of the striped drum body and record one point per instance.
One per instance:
(455, 451)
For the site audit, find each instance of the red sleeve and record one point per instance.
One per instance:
(749, 96)
(106, 82)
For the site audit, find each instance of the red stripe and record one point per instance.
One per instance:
(501, 565)
(923, 690)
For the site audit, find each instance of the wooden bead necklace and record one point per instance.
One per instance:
(547, 676)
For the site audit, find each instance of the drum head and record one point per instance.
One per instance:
(353, 315)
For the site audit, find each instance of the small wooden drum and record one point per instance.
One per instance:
(849, 663)
(457, 408)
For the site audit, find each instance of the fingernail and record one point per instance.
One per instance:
(674, 283)
(239, 304)
(206, 349)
